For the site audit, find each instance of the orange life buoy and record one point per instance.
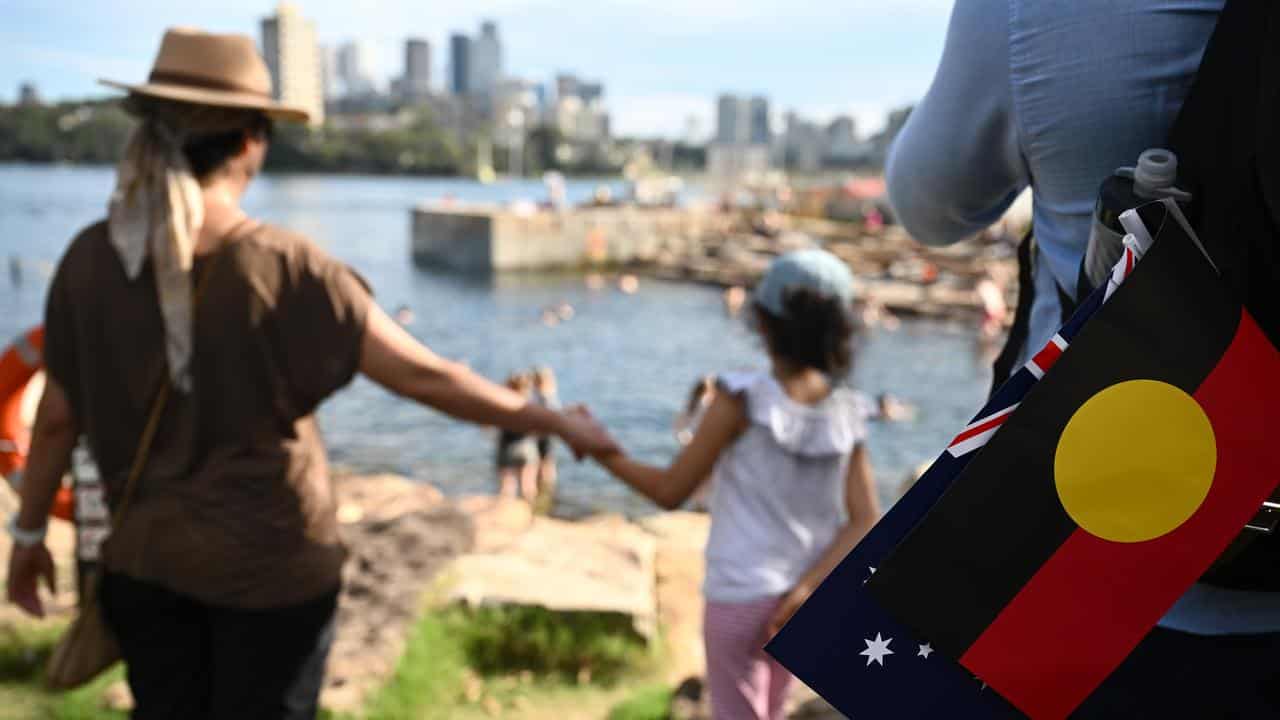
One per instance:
(18, 366)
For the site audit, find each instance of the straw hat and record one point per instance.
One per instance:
(220, 70)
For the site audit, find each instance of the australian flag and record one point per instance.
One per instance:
(848, 649)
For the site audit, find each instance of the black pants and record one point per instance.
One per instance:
(1178, 675)
(192, 661)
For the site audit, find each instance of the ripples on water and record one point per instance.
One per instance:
(632, 358)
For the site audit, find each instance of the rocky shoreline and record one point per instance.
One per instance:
(900, 275)
(412, 548)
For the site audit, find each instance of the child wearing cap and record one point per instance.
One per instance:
(792, 491)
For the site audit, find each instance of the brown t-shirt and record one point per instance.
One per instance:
(235, 506)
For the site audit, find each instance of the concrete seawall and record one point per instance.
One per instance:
(480, 239)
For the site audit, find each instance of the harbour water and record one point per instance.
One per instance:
(632, 358)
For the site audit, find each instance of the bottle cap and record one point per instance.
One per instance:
(1157, 170)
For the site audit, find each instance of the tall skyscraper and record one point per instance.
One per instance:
(731, 121)
(354, 66)
(743, 121)
(329, 71)
(293, 57)
(758, 110)
(459, 64)
(741, 146)
(417, 68)
(486, 60)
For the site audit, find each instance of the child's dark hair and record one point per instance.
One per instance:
(207, 153)
(817, 331)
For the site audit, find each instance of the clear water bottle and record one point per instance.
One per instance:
(1152, 178)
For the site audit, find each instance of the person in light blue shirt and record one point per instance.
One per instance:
(1054, 96)
(1048, 95)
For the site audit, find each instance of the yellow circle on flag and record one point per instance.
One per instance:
(1135, 461)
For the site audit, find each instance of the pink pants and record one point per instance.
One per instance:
(745, 683)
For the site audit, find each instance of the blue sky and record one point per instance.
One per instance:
(662, 61)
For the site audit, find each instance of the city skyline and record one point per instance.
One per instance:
(671, 64)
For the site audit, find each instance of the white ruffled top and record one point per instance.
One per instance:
(778, 492)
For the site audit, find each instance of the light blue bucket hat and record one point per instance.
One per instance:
(816, 270)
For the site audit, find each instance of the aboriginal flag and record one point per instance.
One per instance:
(1116, 483)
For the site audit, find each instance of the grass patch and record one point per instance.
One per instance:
(458, 664)
(24, 651)
(647, 703)
(464, 663)
(428, 680)
(600, 646)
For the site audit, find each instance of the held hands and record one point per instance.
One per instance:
(585, 435)
(27, 565)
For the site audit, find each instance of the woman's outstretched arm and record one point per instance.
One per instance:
(391, 357)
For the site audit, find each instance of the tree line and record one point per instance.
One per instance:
(95, 132)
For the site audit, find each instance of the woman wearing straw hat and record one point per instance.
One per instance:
(192, 345)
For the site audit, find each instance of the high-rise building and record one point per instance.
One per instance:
(328, 71)
(566, 86)
(293, 57)
(732, 125)
(485, 61)
(758, 112)
(354, 69)
(591, 92)
(842, 129)
(28, 96)
(570, 85)
(416, 83)
(459, 64)
(803, 144)
(741, 145)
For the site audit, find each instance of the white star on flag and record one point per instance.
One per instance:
(877, 650)
(925, 651)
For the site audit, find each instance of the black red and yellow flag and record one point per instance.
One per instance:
(1115, 484)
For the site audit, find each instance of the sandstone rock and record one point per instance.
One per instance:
(402, 536)
(681, 540)
(602, 565)
(497, 521)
